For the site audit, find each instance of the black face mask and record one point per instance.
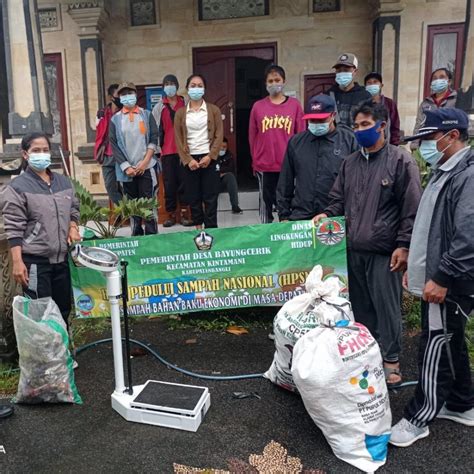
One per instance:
(116, 101)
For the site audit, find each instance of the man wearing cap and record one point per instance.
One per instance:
(377, 190)
(441, 272)
(347, 93)
(312, 161)
(164, 112)
(373, 85)
(134, 138)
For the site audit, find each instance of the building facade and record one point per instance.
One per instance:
(88, 45)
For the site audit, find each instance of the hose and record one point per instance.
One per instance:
(155, 354)
(169, 364)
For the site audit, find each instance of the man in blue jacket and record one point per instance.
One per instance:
(441, 272)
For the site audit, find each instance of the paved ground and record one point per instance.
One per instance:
(93, 438)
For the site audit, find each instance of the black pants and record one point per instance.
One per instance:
(436, 383)
(376, 295)
(267, 185)
(49, 279)
(202, 190)
(229, 184)
(173, 172)
(143, 186)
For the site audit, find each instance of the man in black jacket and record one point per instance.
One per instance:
(441, 271)
(312, 161)
(377, 190)
(347, 93)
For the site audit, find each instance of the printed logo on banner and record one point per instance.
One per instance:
(85, 303)
(203, 241)
(330, 232)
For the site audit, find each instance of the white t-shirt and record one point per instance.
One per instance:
(198, 135)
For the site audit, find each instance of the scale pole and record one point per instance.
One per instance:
(114, 292)
(124, 264)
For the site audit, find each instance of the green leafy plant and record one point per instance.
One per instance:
(106, 222)
(423, 167)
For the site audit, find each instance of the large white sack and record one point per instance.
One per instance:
(320, 302)
(339, 373)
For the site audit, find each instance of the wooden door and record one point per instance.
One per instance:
(217, 65)
(315, 84)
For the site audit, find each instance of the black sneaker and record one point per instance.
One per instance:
(237, 210)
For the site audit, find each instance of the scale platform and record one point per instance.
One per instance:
(164, 404)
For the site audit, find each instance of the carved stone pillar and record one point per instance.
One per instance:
(28, 110)
(91, 17)
(386, 43)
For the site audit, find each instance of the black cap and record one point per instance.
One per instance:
(441, 120)
(320, 106)
(171, 78)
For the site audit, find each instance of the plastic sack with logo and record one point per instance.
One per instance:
(304, 312)
(46, 372)
(338, 370)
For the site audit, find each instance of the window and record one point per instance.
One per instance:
(326, 6)
(445, 46)
(219, 10)
(142, 13)
(50, 17)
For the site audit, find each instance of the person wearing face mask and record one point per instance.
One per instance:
(199, 132)
(273, 121)
(442, 96)
(226, 169)
(347, 93)
(103, 153)
(134, 138)
(373, 85)
(164, 112)
(312, 161)
(441, 272)
(41, 215)
(377, 190)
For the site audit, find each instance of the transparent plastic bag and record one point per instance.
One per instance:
(46, 371)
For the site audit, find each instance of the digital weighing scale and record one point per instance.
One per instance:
(155, 403)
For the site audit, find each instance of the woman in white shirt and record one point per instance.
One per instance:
(199, 134)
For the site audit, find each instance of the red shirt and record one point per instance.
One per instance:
(169, 143)
(443, 97)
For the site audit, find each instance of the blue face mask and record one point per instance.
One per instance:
(429, 151)
(170, 90)
(319, 129)
(39, 161)
(196, 93)
(439, 85)
(128, 100)
(344, 78)
(373, 89)
(368, 138)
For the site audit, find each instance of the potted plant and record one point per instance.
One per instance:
(104, 222)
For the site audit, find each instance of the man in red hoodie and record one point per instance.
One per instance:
(273, 121)
(103, 153)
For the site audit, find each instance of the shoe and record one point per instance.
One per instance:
(237, 210)
(75, 364)
(465, 418)
(405, 433)
(6, 410)
(171, 221)
(186, 221)
(271, 336)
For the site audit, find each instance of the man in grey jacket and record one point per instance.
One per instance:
(441, 272)
(312, 161)
(377, 190)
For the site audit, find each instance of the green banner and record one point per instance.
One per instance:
(257, 265)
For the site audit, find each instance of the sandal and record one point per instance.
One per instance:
(392, 371)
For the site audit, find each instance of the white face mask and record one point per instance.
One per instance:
(39, 161)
